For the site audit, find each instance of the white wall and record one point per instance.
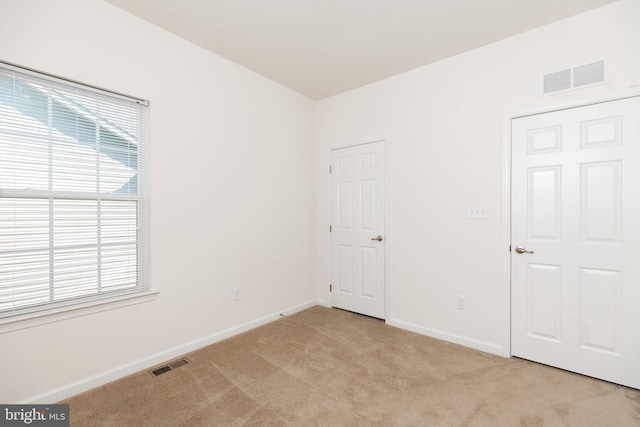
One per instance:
(232, 196)
(444, 128)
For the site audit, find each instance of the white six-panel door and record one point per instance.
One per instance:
(357, 245)
(576, 209)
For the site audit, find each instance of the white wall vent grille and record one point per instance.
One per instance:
(555, 82)
(573, 78)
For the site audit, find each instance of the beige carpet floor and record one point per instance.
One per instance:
(327, 367)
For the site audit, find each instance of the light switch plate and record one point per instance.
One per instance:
(479, 211)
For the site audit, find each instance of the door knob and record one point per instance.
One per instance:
(522, 250)
(378, 238)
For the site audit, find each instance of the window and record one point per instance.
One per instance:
(73, 194)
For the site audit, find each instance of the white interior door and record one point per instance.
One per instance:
(357, 229)
(576, 208)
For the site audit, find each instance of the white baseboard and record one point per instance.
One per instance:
(323, 303)
(87, 384)
(445, 336)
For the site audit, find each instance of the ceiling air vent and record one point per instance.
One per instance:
(169, 367)
(572, 78)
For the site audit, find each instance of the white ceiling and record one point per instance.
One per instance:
(324, 47)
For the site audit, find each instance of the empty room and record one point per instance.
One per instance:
(305, 212)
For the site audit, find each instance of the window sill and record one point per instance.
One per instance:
(55, 315)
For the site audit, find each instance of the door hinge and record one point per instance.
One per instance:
(330, 228)
(330, 169)
(509, 248)
(330, 287)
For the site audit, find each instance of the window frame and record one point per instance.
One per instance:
(55, 310)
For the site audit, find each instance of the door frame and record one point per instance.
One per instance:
(505, 237)
(385, 153)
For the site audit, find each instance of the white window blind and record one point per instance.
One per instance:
(73, 194)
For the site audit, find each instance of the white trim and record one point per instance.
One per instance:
(323, 303)
(506, 195)
(102, 378)
(355, 143)
(51, 315)
(505, 235)
(628, 93)
(327, 224)
(388, 236)
(445, 336)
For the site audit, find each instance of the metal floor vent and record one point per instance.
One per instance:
(169, 367)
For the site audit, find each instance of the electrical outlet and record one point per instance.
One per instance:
(461, 302)
(237, 295)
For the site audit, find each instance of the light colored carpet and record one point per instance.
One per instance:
(328, 367)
